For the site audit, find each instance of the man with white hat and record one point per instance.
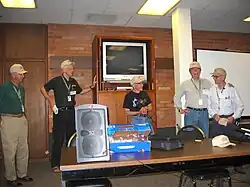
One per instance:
(14, 128)
(137, 103)
(225, 106)
(196, 92)
(65, 89)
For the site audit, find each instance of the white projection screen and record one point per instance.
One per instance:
(237, 66)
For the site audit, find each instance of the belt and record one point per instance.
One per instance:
(197, 109)
(226, 116)
(64, 108)
(13, 115)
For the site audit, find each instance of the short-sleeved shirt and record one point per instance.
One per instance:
(194, 90)
(135, 101)
(63, 89)
(10, 101)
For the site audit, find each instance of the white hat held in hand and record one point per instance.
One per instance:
(221, 141)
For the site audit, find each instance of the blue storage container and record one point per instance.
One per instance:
(124, 138)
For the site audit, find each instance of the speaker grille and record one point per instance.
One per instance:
(91, 126)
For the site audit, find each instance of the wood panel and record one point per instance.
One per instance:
(105, 98)
(34, 106)
(26, 41)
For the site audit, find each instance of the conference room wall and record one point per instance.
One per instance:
(76, 40)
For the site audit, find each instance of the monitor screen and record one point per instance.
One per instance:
(123, 60)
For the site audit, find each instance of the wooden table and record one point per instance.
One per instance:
(193, 154)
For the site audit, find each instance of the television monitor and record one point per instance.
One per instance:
(122, 61)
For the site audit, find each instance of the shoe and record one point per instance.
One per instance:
(56, 169)
(25, 179)
(14, 183)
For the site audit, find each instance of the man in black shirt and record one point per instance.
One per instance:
(65, 89)
(137, 102)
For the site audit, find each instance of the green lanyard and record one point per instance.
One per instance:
(18, 92)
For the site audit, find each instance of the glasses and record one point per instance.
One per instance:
(215, 76)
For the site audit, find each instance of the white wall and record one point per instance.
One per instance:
(237, 66)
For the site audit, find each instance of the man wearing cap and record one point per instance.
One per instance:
(14, 128)
(225, 106)
(196, 92)
(137, 103)
(65, 89)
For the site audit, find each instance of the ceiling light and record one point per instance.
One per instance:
(157, 7)
(18, 3)
(247, 19)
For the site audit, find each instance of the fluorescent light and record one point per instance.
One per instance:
(157, 7)
(247, 19)
(18, 3)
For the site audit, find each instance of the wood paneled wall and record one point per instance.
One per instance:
(27, 44)
(76, 40)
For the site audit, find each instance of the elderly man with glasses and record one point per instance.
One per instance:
(224, 105)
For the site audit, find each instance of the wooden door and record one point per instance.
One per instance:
(34, 106)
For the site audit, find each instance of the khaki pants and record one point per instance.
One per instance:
(14, 134)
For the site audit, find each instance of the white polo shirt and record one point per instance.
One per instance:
(225, 101)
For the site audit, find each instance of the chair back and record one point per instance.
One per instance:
(191, 132)
(72, 141)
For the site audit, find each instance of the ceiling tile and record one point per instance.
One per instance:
(126, 6)
(90, 6)
(142, 20)
(194, 4)
(56, 4)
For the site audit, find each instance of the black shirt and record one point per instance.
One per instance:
(64, 95)
(135, 101)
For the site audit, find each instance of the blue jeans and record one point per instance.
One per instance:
(198, 118)
(141, 120)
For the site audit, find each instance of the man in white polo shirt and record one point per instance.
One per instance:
(224, 105)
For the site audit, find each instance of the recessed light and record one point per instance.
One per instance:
(157, 7)
(18, 3)
(247, 19)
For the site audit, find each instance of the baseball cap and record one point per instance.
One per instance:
(67, 63)
(137, 79)
(219, 72)
(221, 141)
(194, 65)
(17, 68)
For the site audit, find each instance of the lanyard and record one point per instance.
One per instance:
(68, 87)
(218, 97)
(18, 92)
(198, 89)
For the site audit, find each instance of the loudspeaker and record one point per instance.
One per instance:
(92, 137)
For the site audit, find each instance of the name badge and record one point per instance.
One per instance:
(72, 93)
(200, 102)
(205, 92)
(69, 98)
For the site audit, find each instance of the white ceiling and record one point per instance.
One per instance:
(215, 15)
